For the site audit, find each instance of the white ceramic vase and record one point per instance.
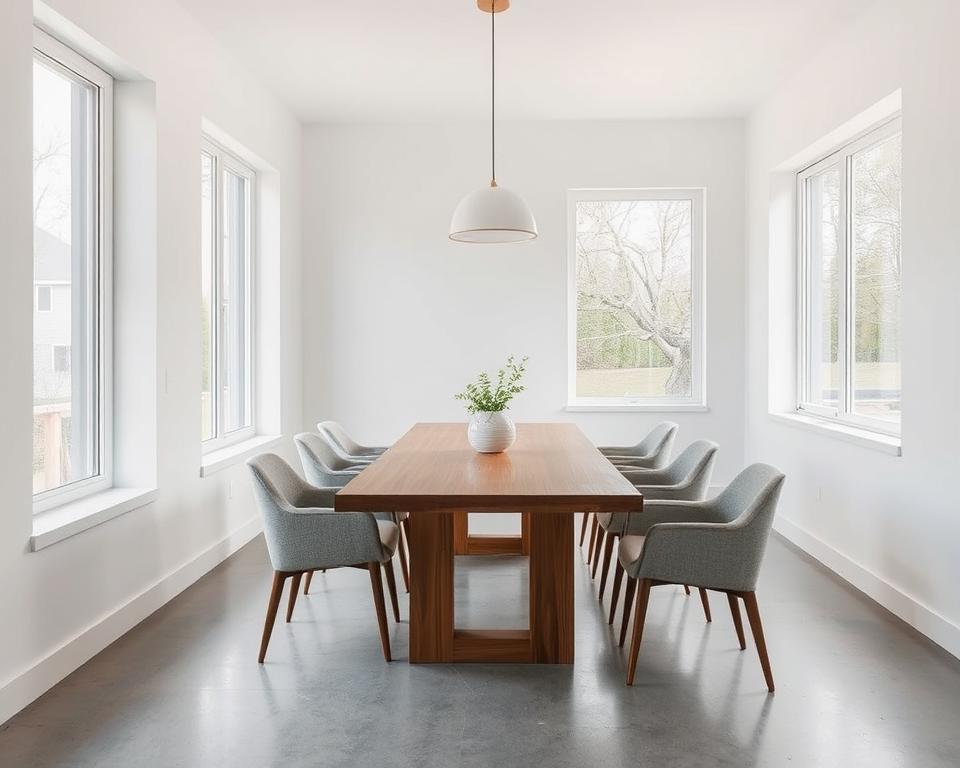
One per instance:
(491, 431)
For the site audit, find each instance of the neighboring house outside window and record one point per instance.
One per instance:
(72, 204)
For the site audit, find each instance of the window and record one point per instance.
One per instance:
(636, 305)
(849, 298)
(61, 358)
(72, 116)
(227, 198)
(44, 298)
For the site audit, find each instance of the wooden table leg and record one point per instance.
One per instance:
(431, 587)
(551, 587)
(461, 533)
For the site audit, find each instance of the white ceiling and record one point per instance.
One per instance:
(593, 59)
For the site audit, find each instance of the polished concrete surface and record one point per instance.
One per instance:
(855, 686)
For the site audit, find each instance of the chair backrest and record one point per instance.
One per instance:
(298, 542)
(338, 435)
(751, 496)
(276, 487)
(694, 466)
(276, 483)
(658, 444)
(723, 543)
(749, 504)
(321, 464)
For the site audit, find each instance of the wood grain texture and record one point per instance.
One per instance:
(492, 645)
(494, 545)
(461, 532)
(431, 587)
(552, 467)
(551, 588)
(551, 472)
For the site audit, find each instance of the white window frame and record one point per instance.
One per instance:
(59, 56)
(842, 156)
(696, 401)
(225, 159)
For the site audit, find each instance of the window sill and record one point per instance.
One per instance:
(636, 407)
(74, 517)
(863, 437)
(221, 459)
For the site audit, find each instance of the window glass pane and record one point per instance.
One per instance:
(824, 273)
(65, 329)
(235, 302)
(208, 301)
(634, 288)
(876, 280)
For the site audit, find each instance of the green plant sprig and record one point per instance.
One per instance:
(482, 395)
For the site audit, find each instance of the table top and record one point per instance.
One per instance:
(433, 467)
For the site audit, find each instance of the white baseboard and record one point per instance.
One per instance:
(30, 684)
(925, 620)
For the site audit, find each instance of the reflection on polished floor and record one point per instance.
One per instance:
(855, 687)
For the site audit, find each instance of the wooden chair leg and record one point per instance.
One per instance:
(402, 553)
(686, 589)
(593, 538)
(294, 591)
(276, 591)
(405, 524)
(617, 581)
(392, 588)
(605, 568)
(706, 604)
(601, 538)
(643, 597)
(753, 614)
(583, 527)
(377, 584)
(306, 583)
(737, 621)
(627, 605)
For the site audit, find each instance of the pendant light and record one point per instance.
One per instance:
(492, 214)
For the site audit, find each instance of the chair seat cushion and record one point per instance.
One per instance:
(630, 549)
(389, 536)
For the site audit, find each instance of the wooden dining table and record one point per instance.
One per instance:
(550, 473)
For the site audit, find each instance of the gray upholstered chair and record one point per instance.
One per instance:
(323, 467)
(653, 452)
(347, 447)
(687, 478)
(716, 544)
(304, 534)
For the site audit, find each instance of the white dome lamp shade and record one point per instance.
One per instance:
(492, 214)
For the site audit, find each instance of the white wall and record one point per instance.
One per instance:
(398, 318)
(69, 600)
(889, 524)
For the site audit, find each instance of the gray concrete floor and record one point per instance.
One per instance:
(855, 686)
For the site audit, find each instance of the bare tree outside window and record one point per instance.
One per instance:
(849, 214)
(635, 300)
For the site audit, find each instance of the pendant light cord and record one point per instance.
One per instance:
(493, 96)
